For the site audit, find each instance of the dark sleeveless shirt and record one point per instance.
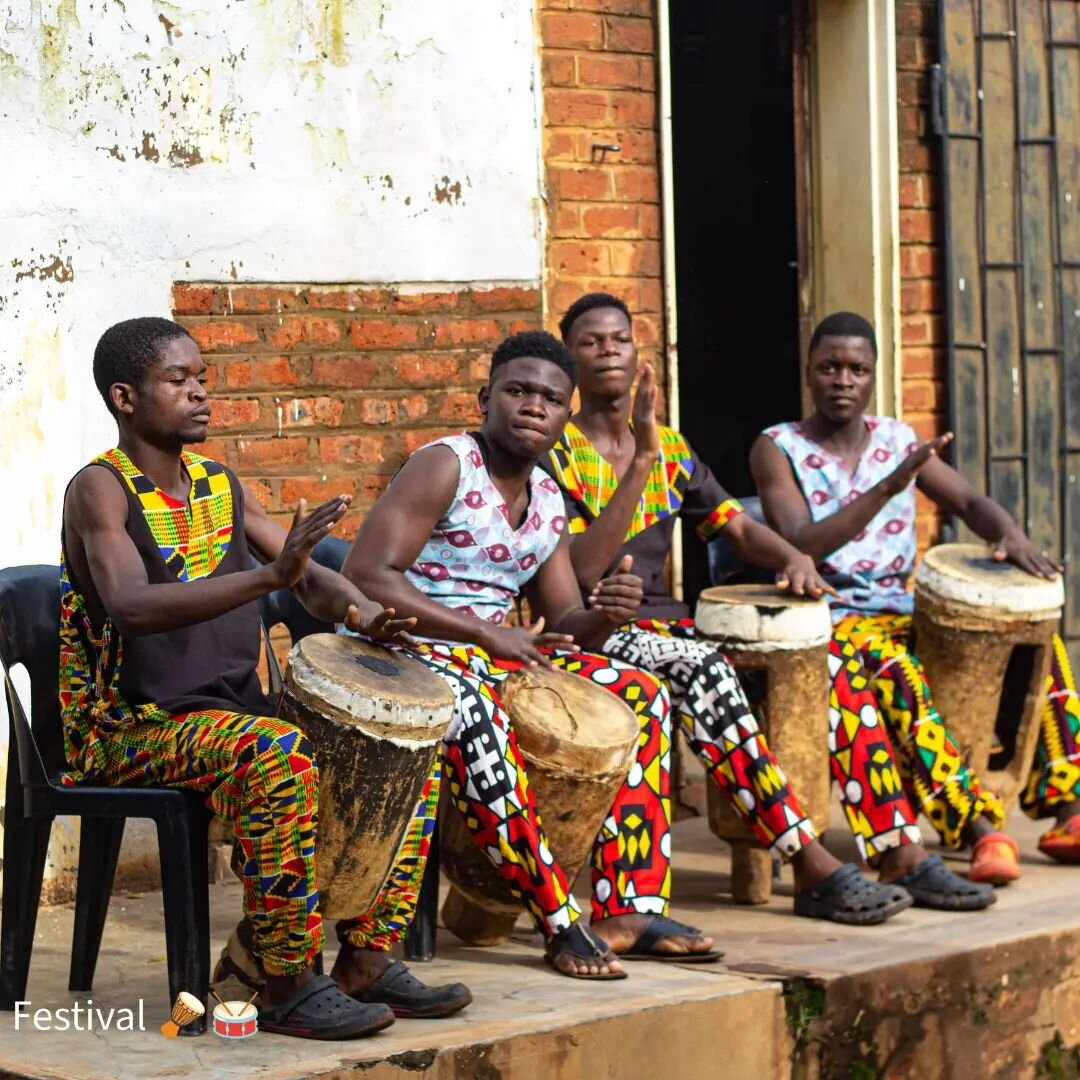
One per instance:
(109, 684)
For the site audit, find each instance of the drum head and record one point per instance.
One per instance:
(967, 574)
(355, 680)
(569, 722)
(757, 616)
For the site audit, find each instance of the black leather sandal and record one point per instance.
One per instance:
(579, 943)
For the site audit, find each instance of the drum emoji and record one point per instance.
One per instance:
(235, 1019)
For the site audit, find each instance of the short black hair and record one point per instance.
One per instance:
(590, 302)
(127, 351)
(844, 324)
(536, 343)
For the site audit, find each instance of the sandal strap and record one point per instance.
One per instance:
(660, 926)
(579, 942)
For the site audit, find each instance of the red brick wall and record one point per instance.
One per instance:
(360, 376)
(599, 87)
(922, 270)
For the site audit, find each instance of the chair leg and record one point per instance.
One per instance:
(199, 828)
(420, 941)
(99, 849)
(182, 944)
(26, 843)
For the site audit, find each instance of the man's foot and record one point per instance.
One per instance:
(846, 896)
(933, 885)
(582, 955)
(374, 977)
(995, 859)
(239, 972)
(1062, 842)
(898, 861)
(623, 932)
(319, 1010)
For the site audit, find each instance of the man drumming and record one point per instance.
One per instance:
(840, 486)
(469, 524)
(159, 644)
(626, 479)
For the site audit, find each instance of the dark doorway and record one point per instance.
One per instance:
(736, 234)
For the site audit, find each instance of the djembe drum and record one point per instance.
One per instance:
(984, 634)
(578, 742)
(375, 719)
(786, 639)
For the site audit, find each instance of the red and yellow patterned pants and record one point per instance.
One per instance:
(632, 853)
(260, 774)
(875, 676)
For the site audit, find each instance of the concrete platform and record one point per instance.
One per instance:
(927, 995)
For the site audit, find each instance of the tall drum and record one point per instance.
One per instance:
(375, 719)
(984, 633)
(578, 742)
(786, 639)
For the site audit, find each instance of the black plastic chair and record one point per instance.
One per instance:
(282, 607)
(29, 635)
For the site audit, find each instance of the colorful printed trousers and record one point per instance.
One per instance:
(719, 726)
(260, 773)
(631, 857)
(869, 655)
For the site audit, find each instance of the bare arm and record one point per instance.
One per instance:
(787, 511)
(96, 511)
(390, 540)
(594, 550)
(986, 518)
(554, 595)
(328, 595)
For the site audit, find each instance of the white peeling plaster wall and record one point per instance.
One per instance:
(294, 141)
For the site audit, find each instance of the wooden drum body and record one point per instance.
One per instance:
(984, 633)
(786, 638)
(375, 719)
(578, 742)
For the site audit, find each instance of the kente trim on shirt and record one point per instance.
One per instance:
(589, 479)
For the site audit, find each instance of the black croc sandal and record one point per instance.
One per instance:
(660, 926)
(933, 885)
(846, 896)
(319, 1010)
(581, 945)
(399, 988)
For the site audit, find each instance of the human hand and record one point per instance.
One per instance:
(379, 624)
(643, 414)
(1019, 550)
(800, 577)
(306, 531)
(523, 643)
(899, 479)
(618, 595)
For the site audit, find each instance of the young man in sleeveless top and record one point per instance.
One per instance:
(159, 644)
(468, 525)
(841, 487)
(626, 479)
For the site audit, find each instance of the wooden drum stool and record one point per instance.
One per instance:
(375, 719)
(578, 742)
(984, 633)
(786, 638)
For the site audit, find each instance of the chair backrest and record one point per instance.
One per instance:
(30, 635)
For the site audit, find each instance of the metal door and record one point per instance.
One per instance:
(1007, 108)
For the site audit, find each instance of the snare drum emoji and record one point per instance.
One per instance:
(235, 1020)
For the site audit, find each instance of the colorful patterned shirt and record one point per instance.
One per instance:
(108, 683)
(476, 560)
(871, 571)
(679, 485)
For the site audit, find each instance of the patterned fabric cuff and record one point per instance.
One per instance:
(725, 512)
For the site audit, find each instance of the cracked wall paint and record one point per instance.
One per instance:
(294, 140)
